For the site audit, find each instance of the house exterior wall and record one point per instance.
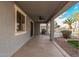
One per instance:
(37, 28)
(9, 43)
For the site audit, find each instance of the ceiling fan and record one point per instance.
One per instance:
(41, 18)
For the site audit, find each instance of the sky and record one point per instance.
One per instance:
(67, 13)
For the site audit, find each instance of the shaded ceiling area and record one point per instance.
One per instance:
(41, 11)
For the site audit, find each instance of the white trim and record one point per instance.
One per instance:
(18, 9)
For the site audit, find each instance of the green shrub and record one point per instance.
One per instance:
(66, 33)
(73, 43)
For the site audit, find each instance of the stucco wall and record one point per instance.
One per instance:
(9, 43)
(37, 28)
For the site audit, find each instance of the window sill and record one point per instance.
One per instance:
(20, 33)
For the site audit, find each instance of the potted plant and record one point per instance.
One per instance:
(66, 33)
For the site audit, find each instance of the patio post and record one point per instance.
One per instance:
(47, 28)
(51, 30)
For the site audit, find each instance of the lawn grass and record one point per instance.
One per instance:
(73, 43)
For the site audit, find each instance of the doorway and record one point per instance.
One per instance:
(31, 33)
(43, 28)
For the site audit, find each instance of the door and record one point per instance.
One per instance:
(31, 33)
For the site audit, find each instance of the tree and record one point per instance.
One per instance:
(76, 16)
(69, 21)
(56, 24)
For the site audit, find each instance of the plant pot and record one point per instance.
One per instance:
(66, 33)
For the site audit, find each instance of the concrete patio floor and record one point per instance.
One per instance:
(39, 46)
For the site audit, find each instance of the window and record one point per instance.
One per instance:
(20, 21)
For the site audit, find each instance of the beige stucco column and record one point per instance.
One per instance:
(51, 30)
(46, 28)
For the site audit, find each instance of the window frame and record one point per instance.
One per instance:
(17, 9)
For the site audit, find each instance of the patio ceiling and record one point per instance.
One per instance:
(41, 11)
